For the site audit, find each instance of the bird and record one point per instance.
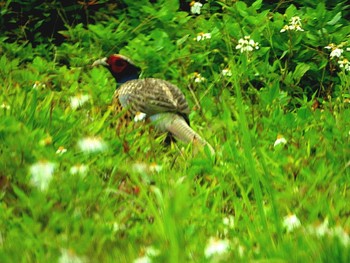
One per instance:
(158, 100)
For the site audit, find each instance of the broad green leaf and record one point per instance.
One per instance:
(334, 20)
(257, 4)
(242, 8)
(182, 40)
(300, 70)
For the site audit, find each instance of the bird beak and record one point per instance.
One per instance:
(102, 62)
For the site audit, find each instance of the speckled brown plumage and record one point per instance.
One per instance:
(152, 96)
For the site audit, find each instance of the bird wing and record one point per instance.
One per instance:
(152, 96)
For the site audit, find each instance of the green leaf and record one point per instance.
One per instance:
(242, 9)
(300, 70)
(182, 40)
(335, 19)
(291, 11)
(257, 4)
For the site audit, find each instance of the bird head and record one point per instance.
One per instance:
(121, 67)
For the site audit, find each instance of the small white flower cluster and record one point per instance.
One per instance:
(79, 169)
(280, 141)
(198, 78)
(78, 100)
(291, 222)
(247, 44)
(141, 167)
(229, 223)
(5, 106)
(216, 247)
(226, 72)
(148, 254)
(41, 174)
(337, 52)
(69, 256)
(323, 229)
(196, 7)
(203, 36)
(61, 150)
(39, 85)
(92, 144)
(294, 25)
(344, 63)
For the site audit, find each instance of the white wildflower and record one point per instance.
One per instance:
(198, 77)
(295, 20)
(151, 251)
(116, 227)
(202, 36)
(330, 46)
(294, 25)
(324, 230)
(78, 101)
(196, 7)
(229, 221)
(141, 168)
(284, 28)
(344, 63)
(61, 150)
(80, 169)
(143, 259)
(154, 167)
(5, 106)
(92, 144)
(139, 116)
(247, 44)
(291, 222)
(69, 256)
(341, 234)
(336, 50)
(321, 229)
(280, 140)
(38, 85)
(226, 72)
(41, 174)
(148, 253)
(216, 246)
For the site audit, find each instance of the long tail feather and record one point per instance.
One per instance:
(178, 127)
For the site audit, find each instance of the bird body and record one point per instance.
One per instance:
(159, 100)
(152, 96)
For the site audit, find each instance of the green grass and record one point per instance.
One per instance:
(138, 193)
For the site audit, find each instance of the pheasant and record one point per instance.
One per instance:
(158, 100)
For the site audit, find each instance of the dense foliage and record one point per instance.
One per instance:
(269, 87)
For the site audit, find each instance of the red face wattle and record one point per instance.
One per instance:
(121, 67)
(117, 63)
